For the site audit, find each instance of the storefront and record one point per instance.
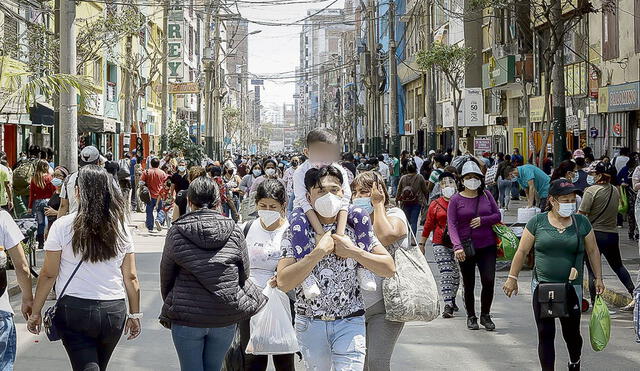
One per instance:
(100, 132)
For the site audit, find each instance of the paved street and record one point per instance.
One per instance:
(439, 345)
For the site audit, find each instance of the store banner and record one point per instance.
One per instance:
(624, 97)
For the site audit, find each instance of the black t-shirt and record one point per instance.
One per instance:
(54, 203)
(181, 182)
(181, 201)
(112, 167)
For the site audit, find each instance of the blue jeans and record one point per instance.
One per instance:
(504, 190)
(150, 208)
(201, 349)
(38, 212)
(341, 343)
(412, 212)
(515, 190)
(7, 341)
(290, 198)
(394, 185)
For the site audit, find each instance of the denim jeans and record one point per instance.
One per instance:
(412, 211)
(201, 349)
(340, 343)
(150, 208)
(290, 198)
(394, 185)
(504, 189)
(7, 341)
(515, 190)
(38, 211)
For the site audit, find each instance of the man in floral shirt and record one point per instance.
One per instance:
(331, 326)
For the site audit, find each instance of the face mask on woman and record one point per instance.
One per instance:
(182, 169)
(268, 217)
(328, 205)
(472, 184)
(565, 210)
(575, 178)
(57, 182)
(270, 172)
(257, 173)
(364, 203)
(591, 180)
(448, 192)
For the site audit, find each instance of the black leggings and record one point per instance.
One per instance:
(90, 330)
(282, 362)
(485, 259)
(608, 244)
(547, 332)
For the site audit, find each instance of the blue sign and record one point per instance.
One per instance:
(593, 132)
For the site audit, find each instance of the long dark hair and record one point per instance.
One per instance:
(99, 226)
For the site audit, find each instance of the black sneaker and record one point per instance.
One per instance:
(485, 320)
(472, 323)
(455, 307)
(574, 366)
(448, 311)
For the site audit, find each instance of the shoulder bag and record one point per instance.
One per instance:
(48, 321)
(554, 297)
(144, 193)
(467, 245)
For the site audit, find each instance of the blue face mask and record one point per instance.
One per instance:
(591, 180)
(57, 182)
(364, 203)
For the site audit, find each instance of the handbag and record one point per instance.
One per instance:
(467, 245)
(48, 320)
(411, 294)
(554, 297)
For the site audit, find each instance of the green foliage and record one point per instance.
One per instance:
(451, 60)
(179, 140)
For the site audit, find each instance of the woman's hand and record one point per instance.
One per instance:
(273, 282)
(377, 194)
(34, 324)
(510, 287)
(599, 286)
(48, 211)
(475, 222)
(132, 328)
(460, 255)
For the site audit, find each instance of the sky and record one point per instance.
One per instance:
(276, 49)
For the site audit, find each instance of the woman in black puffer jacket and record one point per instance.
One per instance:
(204, 281)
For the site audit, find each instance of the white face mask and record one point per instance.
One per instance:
(328, 205)
(472, 184)
(565, 210)
(270, 172)
(257, 173)
(448, 192)
(268, 217)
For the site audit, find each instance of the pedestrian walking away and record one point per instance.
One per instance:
(89, 254)
(471, 215)
(154, 180)
(40, 190)
(412, 194)
(560, 240)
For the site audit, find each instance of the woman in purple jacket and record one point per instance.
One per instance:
(471, 214)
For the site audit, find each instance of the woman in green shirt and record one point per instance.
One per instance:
(559, 253)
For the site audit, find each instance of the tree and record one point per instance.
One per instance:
(452, 61)
(233, 126)
(179, 140)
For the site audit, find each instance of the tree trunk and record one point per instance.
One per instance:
(559, 104)
(456, 135)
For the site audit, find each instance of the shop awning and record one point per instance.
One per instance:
(42, 114)
(96, 124)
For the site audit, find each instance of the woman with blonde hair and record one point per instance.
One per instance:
(40, 190)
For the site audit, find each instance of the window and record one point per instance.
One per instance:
(610, 49)
(97, 71)
(112, 79)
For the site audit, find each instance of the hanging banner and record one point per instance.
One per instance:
(473, 107)
(175, 50)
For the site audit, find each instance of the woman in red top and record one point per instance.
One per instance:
(442, 248)
(40, 190)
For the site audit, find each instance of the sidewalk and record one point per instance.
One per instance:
(615, 294)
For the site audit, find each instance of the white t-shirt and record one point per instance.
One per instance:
(383, 169)
(10, 236)
(265, 250)
(372, 297)
(419, 161)
(68, 191)
(95, 281)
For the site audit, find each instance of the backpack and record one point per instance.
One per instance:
(123, 174)
(408, 196)
(145, 194)
(22, 177)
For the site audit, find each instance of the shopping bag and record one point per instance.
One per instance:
(234, 360)
(507, 242)
(599, 325)
(636, 314)
(271, 329)
(412, 293)
(623, 204)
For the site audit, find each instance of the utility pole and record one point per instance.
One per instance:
(429, 95)
(68, 105)
(393, 83)
(558, 97)
(208, 128)
(217, 81)
(374, 96)
(165, 78)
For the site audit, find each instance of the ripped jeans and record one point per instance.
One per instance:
(340, 343)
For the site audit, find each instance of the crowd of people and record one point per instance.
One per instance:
(319, 225)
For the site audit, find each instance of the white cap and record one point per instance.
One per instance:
(432, 152)
(89, 154)
(471, 167)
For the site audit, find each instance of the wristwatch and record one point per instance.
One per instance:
(135, 315)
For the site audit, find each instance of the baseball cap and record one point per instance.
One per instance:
(578, 153)
(445, 175)
(89, 154)
(471, 167)
(432, 152)
(561, 187)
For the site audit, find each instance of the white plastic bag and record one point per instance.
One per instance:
(271, 329)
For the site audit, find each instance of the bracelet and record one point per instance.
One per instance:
(512, 276)
(135, 315)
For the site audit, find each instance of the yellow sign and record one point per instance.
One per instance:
(603, 100)
(536, 108)
(184, 88)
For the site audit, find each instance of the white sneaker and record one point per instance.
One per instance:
(366, 279)
(158, 226)
(310, 287)
(629, 307)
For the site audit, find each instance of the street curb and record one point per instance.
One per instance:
(615, 298)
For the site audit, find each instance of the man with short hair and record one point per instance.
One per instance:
(383, 169)
(68, 201)
(418, 160)
(154, 179)
(535, 184)
(330, 327)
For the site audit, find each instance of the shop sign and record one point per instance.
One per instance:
(624, 97)
(498, 71)
(593, 132)
(536, 108)
(481, 144)
(616, 129)
(572, 122)
(184, 88)
(473, 107)
(175, 36)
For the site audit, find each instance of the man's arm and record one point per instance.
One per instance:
(531, 193)
(9, 188)
(292, 272)
(24, 278)
(377, 261)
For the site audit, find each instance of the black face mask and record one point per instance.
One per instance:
(294, 163)
(230, 172)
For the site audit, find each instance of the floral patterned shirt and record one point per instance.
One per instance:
(340, 293)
